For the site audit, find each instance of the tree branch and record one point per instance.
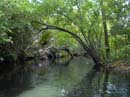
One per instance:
(47, 27)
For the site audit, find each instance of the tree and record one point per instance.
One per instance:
(16, 29)
(97, 25)
(82, 29)
(105, 30)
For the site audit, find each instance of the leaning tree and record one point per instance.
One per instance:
(88, 46)
(82, 17)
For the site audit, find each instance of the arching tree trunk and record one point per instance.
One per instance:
(86, 46)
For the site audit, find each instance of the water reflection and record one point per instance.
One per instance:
(84, 88)
(64, 78)
(43, 79)
(13, 85)
(102, 84)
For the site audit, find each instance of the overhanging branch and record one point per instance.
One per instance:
(47, 27)
(87, 47)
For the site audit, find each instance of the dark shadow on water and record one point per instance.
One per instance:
(12, 85)
(16, 79)
(93, 84)
(106, 80)
(101, 84)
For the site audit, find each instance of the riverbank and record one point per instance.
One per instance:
(119, 66)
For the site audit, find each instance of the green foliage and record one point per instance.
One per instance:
(15, 25)
(4, 38)
(65, 40)
(83, 17)
(45, 38)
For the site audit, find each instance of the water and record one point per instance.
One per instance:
(73, 78)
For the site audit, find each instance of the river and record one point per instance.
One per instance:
(73, 78)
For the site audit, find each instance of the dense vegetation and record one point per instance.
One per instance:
(101, 28)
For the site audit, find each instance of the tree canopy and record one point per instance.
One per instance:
(101, 27)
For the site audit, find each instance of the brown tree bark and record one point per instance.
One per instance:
(104, 22)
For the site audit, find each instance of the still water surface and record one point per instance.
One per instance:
(73, 78)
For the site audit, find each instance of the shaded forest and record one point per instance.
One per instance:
(47, 29)
(64, 48)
